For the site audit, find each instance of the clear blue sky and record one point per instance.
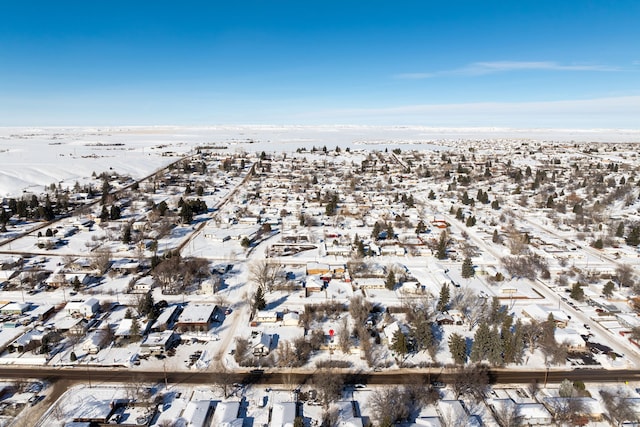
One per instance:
(516, 63)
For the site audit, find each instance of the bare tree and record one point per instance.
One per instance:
(565, 409)
(224, 380)
(286, 354)
(625, 275)
(344, 340)
(359, 309)
(329, 385)
(472, 380)
(618, 406)
(507, 414)
(102, 260)
(266, 274)
(242, 348)
(390, 405)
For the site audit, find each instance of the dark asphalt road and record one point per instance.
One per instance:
(499, 376)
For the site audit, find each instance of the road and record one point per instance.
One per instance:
(97, 376)
(37, 226)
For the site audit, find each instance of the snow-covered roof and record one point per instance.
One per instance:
(124, 328)
(226, 414)
(196, 413)
(533, 411)
(164, 317)
(197, 313)
(283, 414)
(569, 336)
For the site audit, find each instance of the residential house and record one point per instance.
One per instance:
(283, 414)
(87, 308)
(226, 415)
(196, 317)
(158, 343)
(263, 346)
(197, 413)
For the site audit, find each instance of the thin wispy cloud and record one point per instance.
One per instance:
(619, 112)
(493, 67)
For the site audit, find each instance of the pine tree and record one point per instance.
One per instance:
(421, 332)
(126, 235)
(441, 252)
(76, 284)
(443, 300)
(458, 348)
(577, 293)
(259, 302)
(620, 229)
(135, 330)
(390, 283)
(607, 290)
(481, 343)
(494, 351)
(467, 268)
(399, 343)
(633, 239)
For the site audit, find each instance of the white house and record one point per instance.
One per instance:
(226, 415)
(264, 316)
(290, 319)
(263, 346)
(196, 413)
(283, 414)
(95, 341)
(87, 308)
(143, 285)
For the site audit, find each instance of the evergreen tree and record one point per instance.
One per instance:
(471, 221)
(259, 302)
(432, 195)
(458, 348)
(377, 229)
(421, 333)
(518, 343)
(128, 314)
(399, 343)
(186, 213)
(390, 283)
(607, 290)
(443, 300)
(482, 341)
(126, 235)
(467, 268)
(495, 349)
(443, 242)
(421, 227)
(620, 229)
(496, 237)
(577, 293)
(76, 284)
(135, 330)
(633, 239)
(146, 306)
(495, 205)
(114, 213)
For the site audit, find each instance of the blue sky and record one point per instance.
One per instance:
(433, 63)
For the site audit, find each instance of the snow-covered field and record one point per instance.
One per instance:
(31, 158)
